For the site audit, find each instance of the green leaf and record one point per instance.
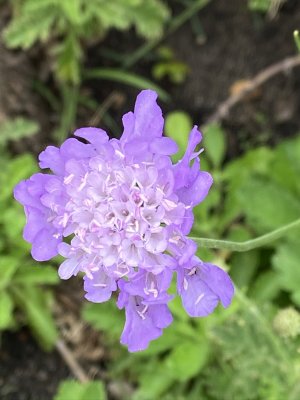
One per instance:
(188, 359)
(286, 263)
(266, 287)
(285, 166)
(69, 54)
(30, 25)
(128, 78)
(104, 317)
(18, 168)
(267, 205)
(72, 390)
(17, 128)
(255, 161)
(176, 71)
(6, 310)
(39, 274)
(35, 303)
(8, 266)
(214, 143)
(243, 267)
(178, 125)
(154, 381)
(13, 223)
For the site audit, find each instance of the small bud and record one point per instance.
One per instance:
(287, 323)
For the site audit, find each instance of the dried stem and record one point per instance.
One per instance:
(282, 66)
(71, 361)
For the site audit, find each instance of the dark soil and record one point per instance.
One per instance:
(238, 45)
(26, 372)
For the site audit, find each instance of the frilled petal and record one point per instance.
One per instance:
(72, 148)
(160, 315)
(28, 192)
(44, 245)
(143, 324)
(197, 191)
(152, 288)
(99, 287)
(164, 146)
(68, 268)
(146, 121)
(202, 289)
(95, 136)
(35, 223)
(51, 158)
(218, 281)
(182, 170)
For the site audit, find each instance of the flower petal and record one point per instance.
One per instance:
(218, 281)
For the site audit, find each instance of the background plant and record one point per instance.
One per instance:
(23, 298)
(63, 25)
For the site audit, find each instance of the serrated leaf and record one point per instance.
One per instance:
(30, 27)
(17, 128)
(35, 303)
(178, 125)
(72, 390)
(6, 310)
(214, 143)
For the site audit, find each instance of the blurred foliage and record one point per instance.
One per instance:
(78, 20)
(297, 39)
(168, 66)
(249, 351)
(260, 5)
(266, 6)
(22, 298)
(18, 128)
(81, 391)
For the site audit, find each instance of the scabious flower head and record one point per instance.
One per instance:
(119, 212)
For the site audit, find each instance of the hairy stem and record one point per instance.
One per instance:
(249, 244)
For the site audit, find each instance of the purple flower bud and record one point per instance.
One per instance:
(127, 211)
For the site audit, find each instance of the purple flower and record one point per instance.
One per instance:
(119, 212)
(202, 287)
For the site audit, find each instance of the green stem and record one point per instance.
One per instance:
(249, 244)
(174, 25)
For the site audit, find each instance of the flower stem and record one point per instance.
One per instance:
(249, 244)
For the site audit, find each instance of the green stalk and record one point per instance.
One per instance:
(249, 244)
